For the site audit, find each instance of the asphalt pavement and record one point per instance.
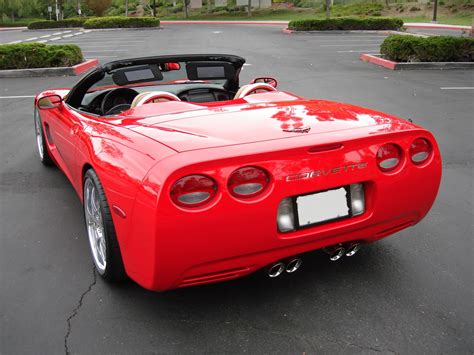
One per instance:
(410, 293)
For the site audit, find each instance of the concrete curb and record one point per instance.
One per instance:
(223, 22)
(388, 64)
(437, 26)
(13, 28)
(75, 70)
(381, 32)
(124, 29)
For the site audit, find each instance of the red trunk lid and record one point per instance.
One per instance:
(199, 128)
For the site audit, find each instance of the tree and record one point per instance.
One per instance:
(249, 8)
(328, 8)
(98, 7)
(186, 5)
(126, 7)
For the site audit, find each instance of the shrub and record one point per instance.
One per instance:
(347, 23)
(70, 22)
(38, 55)
(401, 48)
(20, 23)
(122, 22)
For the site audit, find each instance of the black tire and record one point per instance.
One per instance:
(114, 270)
(43, 150)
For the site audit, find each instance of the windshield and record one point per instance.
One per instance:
(140, 75)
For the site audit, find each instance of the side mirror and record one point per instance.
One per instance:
(49, 102)
(267, 80)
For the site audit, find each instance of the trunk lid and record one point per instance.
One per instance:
(242, 124)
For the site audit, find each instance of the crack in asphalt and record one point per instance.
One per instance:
(76, 310)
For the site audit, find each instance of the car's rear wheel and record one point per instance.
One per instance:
(43, 150)
(101, 231)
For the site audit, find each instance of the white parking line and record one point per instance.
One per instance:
(105, 46)
(55, 38)
(67, 31)
(66, 36)
(31, 39)
(57, 33)
(14, 42)
(105, 50)
(42, 41)
(107, 40)
(350, 40)
(359, 51)
(102, 56)
(78, 33)
(45, 36)
(17, 97)
(345, 45)
(458, 88)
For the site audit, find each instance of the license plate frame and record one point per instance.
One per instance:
(348, 205)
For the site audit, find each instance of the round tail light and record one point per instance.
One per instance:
(420, 151)
(389, 157)
(193, 191)
(248, 182)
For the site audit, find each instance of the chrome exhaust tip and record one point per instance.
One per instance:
(335, 252)
(352, 249)
(276, 269)
(293, 265)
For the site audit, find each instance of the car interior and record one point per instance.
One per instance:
(122, 85)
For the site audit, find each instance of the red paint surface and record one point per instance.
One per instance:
(139, 155)
(378, 61)
(85, 66)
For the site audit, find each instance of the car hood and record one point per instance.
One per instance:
(199, 128)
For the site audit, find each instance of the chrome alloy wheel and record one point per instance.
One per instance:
(39, 135)
(95, 225)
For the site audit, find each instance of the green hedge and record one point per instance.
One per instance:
(402, 48)
(70, 22)
(121, 22)
(347, 23)
(20, 23)
(38, 55)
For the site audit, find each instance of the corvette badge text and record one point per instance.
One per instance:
(326, 172)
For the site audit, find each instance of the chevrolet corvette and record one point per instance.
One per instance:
(187, 177)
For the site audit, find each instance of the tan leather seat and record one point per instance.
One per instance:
(153, 97)
(250, 89)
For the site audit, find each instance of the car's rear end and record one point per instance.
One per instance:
(224, 212)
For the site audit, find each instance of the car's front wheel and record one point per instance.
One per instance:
(101, 231)
(43, 150)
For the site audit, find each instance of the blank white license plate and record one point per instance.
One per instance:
(322, 206)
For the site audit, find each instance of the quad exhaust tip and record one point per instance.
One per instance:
(276, 269)
(336, 252)
(352, 249)
(293, 265)
(289, 265)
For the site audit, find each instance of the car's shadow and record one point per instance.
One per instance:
(318, 279)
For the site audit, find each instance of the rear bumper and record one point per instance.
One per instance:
(169, 247)
(228, 269)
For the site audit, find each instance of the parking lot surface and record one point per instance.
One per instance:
(410, 293)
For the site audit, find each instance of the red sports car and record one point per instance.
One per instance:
(188, 178)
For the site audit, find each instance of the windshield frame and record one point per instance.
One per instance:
(77, 93)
